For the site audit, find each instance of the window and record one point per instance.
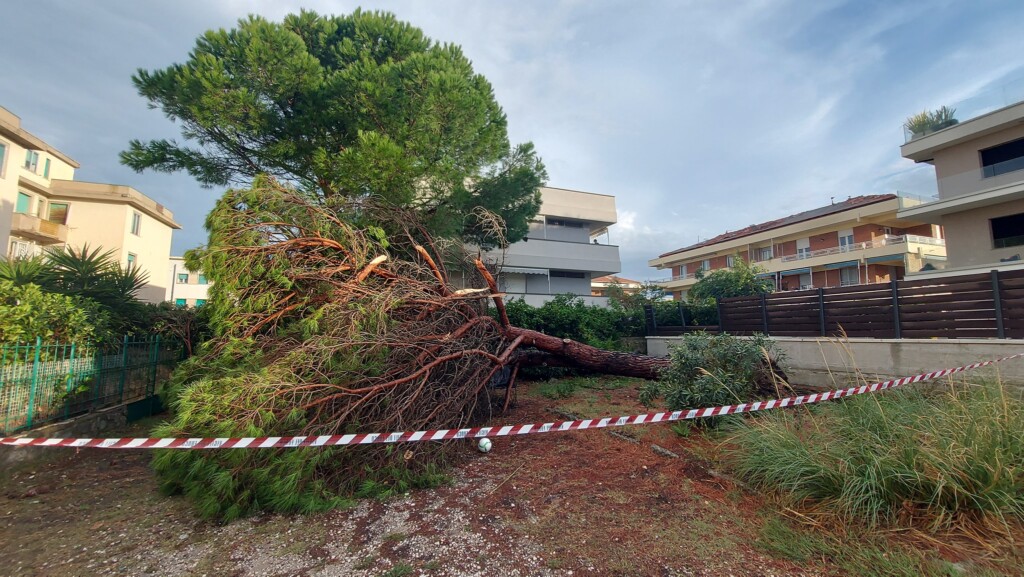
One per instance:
(849, 276)
(24, 201)
(764, 253)
(682, 270)
(202, 279)
(3, 158)
(132, 260)
(803, 248)
(179, 302)
(845, 240)
(136, 223)
(1004, 158)
(565, 223)
(730, 261)
(46, 168)
(1008, 231)
(567, 274)
(200, 302)
(705, 264)
(182, 278)
(32, 160)
(58, 212)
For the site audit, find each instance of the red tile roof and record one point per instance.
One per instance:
(848, 204)
(615, 279)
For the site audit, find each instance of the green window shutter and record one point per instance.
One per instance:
(46, 169)
(3, 157)
(202, 279)
(58, 212)
(179, 302)
(200, 302)
(24, 201)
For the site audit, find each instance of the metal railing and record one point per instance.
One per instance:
(41, 383)
(888, 240)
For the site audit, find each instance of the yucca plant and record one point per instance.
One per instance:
(23, 271)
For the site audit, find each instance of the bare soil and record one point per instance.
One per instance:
(579, 503)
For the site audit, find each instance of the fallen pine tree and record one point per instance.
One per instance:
(324, 325)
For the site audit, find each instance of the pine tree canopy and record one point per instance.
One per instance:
(344, 107)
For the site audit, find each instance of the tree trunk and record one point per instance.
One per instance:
(574, 354)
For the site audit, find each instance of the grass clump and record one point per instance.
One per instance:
(711, 369)
(567, 387)
(937, 460)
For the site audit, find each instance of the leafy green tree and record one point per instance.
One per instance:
(345, 107)
(740, 280)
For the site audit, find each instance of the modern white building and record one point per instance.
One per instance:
(186, 287)
(566, 248)
(979, 169)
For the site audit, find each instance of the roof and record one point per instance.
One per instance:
(10, 125)
(614, 279)
(849, 204)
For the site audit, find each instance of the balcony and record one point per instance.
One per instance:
(989, 100)
(600, 259)
(37, 229)
(888, 240)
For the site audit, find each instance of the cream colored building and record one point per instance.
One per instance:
(856, 241)
(599, 286)
(42, 206)
(186, 287)
(979, 168)
(567, 246)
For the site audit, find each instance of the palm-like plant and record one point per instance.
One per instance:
(22, 271)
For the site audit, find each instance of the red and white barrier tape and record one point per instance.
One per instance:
(477, 432)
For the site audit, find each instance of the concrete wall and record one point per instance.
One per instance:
(97, 424)
(826, 363)
(969, 235)
(958, 168)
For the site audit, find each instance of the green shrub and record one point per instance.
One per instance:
(710, 370)
(26, 312)
(930, 458)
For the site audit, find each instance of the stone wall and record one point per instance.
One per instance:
(96, 424)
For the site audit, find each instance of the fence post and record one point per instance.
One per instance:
(1000, 330)
(124, 369)
(71, 381)
(154, 361)
(682, 314)
(896, 307)
(764, 313)
(32, 390)
(821, 310)
(721, 320)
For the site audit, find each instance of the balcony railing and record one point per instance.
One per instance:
(887, 240)
(37, 229)
(988, 100)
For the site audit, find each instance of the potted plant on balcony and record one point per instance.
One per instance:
(926, 122)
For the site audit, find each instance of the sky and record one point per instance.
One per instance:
(698, 116)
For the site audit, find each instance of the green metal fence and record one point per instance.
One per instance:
(40, 383)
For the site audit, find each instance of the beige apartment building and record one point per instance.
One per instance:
(186, 287)
(42, 206)
(599, 286)
(856, 241)
(979, 169)
(566, 248)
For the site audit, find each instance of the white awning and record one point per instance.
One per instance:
(524, 270)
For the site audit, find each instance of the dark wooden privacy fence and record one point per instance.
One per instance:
(977, 305)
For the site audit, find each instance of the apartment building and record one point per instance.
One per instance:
(566, 248)
(599, 286)
(186, 287)
(979, 169)
(856, 241)
(42, 206)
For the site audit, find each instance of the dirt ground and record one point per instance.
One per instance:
(579, 503)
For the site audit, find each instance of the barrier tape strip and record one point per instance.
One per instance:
(477, 432)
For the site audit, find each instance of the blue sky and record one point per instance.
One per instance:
(699, 117)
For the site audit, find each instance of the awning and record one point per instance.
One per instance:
(890, 258)
(796, 271)
(525, 270)
(765, 275)
(845, 264)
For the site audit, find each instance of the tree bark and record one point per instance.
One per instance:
(570, 353)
